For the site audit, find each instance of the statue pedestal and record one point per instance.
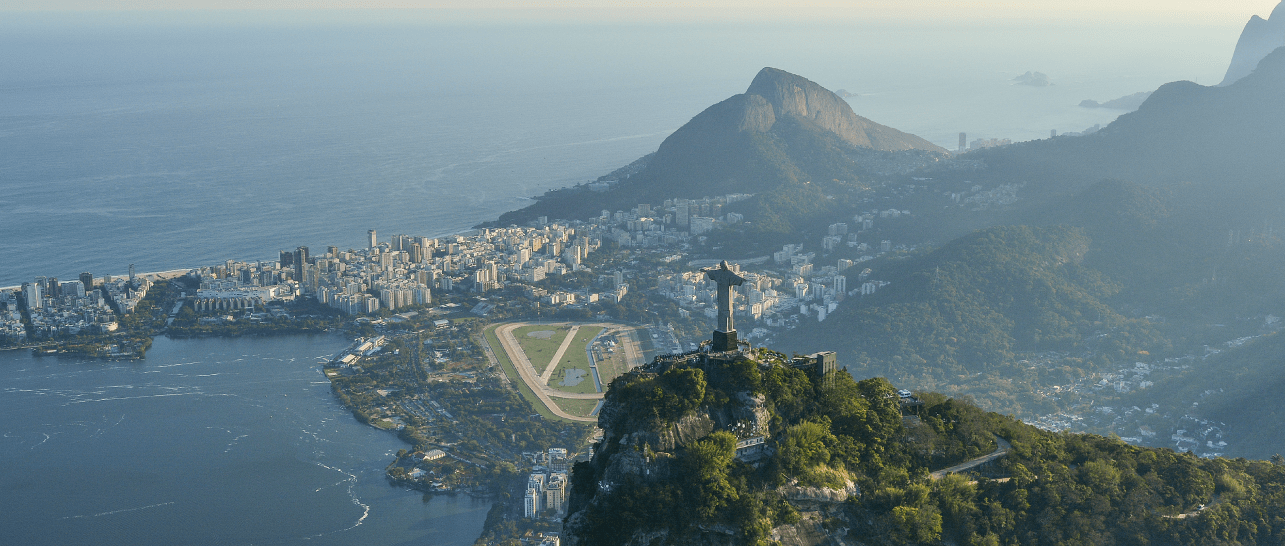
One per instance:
(724, 341)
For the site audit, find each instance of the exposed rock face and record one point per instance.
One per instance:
(798, 97)
(752, 411)
(638, 431)
(793, 492)
(690, 428)
(757, 114)
(1260, 37)
(751, 142)
(782, 133)
(639, 448)
(811, 530)
(816, 506)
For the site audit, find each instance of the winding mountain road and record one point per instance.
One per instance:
(1001, 450)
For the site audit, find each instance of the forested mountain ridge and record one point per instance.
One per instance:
(958, 316)
(848, 462)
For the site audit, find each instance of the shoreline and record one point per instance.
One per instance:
(154, 275)
(171, 273)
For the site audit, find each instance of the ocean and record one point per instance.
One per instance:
(175, 142)
(216, 441)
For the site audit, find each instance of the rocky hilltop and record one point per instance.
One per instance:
(755, 448)
(1260, 37)
(785, 94)
(785, 130)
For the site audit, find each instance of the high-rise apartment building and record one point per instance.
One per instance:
(300, 262)
(32, 292)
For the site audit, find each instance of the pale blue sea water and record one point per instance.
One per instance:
(172, 142)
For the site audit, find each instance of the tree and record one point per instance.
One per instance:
(804, 447)
(705, 465)
(922, 524)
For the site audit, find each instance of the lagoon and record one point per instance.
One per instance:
(207, 441)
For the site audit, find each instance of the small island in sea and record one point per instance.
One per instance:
(1033, 79)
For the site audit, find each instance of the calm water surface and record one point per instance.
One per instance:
(217, 441)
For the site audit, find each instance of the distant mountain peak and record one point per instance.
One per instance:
(791, 95)
(784, 139)
(1260, 37)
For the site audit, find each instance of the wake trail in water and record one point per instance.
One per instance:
(113, 512)
(234, 441)
(352, 494)
(112, 399)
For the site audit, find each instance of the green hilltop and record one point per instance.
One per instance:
(854, 462)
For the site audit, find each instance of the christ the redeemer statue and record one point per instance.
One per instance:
(724, 332)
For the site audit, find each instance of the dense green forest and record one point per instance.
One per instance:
(856, 438)
(1114, 274)
(960, 315)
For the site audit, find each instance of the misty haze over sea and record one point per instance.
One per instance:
(177, 145)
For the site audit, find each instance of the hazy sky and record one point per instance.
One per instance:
(1193, 11)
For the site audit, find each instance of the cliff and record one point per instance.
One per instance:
(795, 96)
(784, 128)
(783, 132)
(1260, 37)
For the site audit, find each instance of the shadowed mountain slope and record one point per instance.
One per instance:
(1259, 38)
(784, 130)
(1218, 137)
